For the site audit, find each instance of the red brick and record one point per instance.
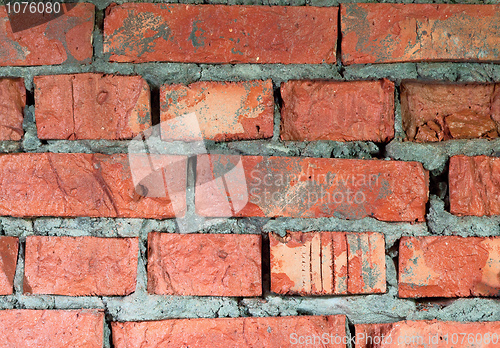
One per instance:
(91, 106)
(328, 263)
(232, 332)
(52, 328)
(437, 111)
(80, 266)
(429, 334)
(12, 103)
(474, 188)
(340, 111)
(57, 184)
(66, 39)
(449, 266)
(389, 33)
(8, 261)
(220, 34)
(225, 110)
(310, 187)
(204, 264)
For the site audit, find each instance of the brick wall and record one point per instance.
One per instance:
(335, 164)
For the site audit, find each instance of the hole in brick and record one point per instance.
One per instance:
(30, 98)
(438, 186)
(338, 53)
(425, 304)
(155, 106)
(266, 265)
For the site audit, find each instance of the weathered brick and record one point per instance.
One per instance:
(12, 103)
(247, 332)
(52, 328)
(474, 188)
(310, 187)
(8, 261)
(91, 106)
(328, 263)
(339, 111)
(224, 110)
(80, 266)
(204, 264)
(97, 185)
(138, 33)
(65, 39)
(437, 111)
(389, 33)
(428, 333)
(449, 266)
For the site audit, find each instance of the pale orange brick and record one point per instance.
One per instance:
(326, 263)
(449, 266)
(428, 334)
(224, 111)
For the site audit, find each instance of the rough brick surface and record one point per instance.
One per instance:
(428, 333)
(224, 110)
(235, 332)
(328, 263)
(474, 185)
(91, 106)
(204, 264)
(66, 39)
(310, 187)
(51, 328)
(389, 33)
(449, 266)
(56, 184)
(435, 112)
(339, 111)
(8, 261)
(220, 34)
(80, 266)
(12, 103)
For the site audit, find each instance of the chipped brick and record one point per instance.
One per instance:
(12, 103)
(474, 185)
(437, 111)
(449, 266)
(8, 261)
(328, 263)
